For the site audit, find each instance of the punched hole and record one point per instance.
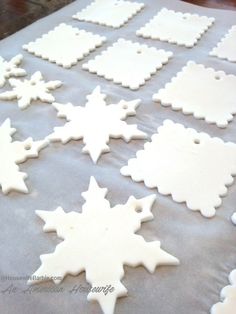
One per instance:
(139, 51)
(196, 141)
(27, 146)
(217, 77)
(138, 209)
(33, 83)
(125, 107)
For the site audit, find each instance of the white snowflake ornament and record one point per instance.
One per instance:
(192, 167)
(13, 153)
(34, 89)
(120, 12)
(96, 123)
(228, 294)
(100, 241)
(10, 68)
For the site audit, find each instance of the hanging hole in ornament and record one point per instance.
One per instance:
(139, 51)
(28, 146)
(125, 107)
(217, 77)
(116, 3)
(33, 83)
(138, 209)
(196, 141)
(184, 17)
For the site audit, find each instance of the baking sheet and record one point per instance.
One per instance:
(206, 247)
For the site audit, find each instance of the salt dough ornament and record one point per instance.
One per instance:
(191, 166)
(119, 12)
(13, 153)
(228, 294)
(203, 92)
(183, 29)
(127, 63)
(99, 241)
(34, 89)
(10, 68)
(65, 45)
(234, 218)
(226, 48)
(96, 123)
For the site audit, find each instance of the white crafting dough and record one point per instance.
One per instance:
(183, 29)
(228, 294)
(234, 218)
(191, 166)
(203, 92)
(13, 153)
(226, 48)
(96, 123)
(65, 45)
(127, 63)
(27, 90)
(119, 12)
(10, 69)
(99, 241)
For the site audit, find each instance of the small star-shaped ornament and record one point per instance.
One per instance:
(34, 89)
(10, 68)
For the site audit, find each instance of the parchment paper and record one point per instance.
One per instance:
(205, 247)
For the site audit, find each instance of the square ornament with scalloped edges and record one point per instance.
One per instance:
(127, 63)
(228, 296)
(203, 92)
(226, 48)
(192, 167)
(179, 28)
(64, 45)
(119, 12)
